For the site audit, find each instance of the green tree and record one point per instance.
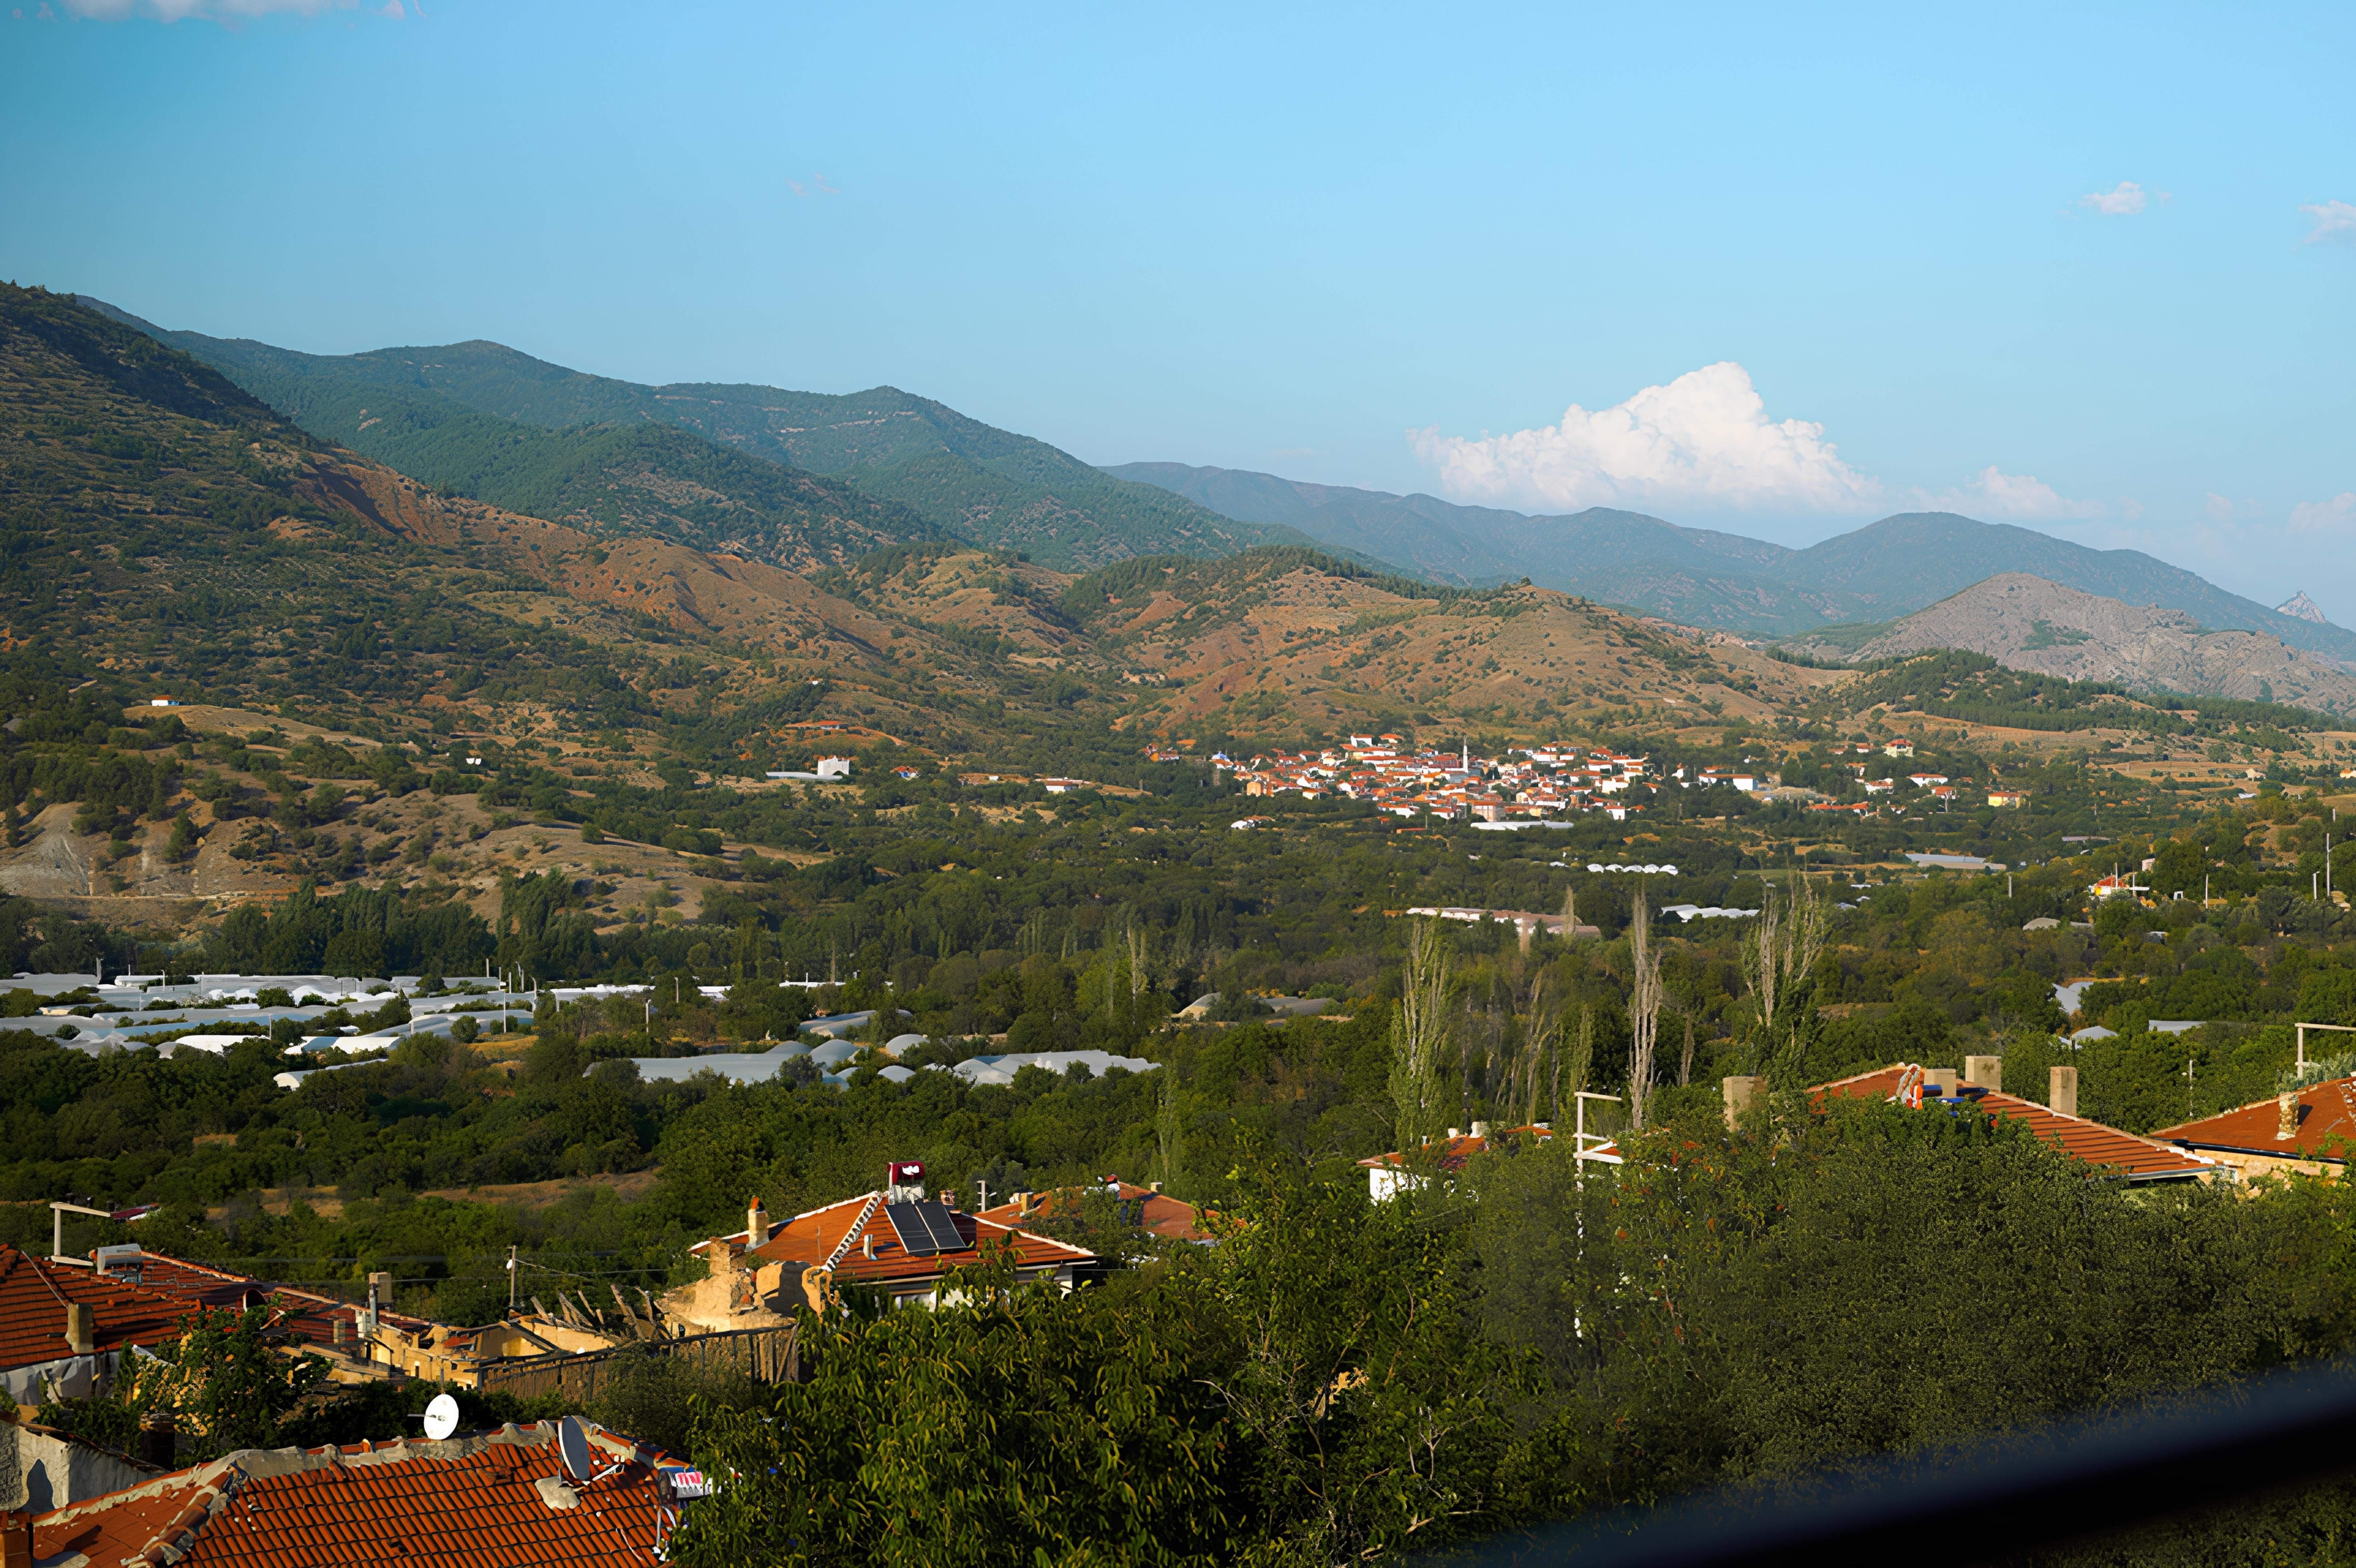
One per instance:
(1420, 1038)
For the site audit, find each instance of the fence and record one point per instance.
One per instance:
(764, 1355)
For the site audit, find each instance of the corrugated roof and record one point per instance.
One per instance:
(468, 1502)
(819, 1236)
(2327, 1125)
(2105, 1147)
(33, 1297)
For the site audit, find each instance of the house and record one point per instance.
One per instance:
(1898, 748)
(71, 1326)
(1389, 1174)
(507, 1497)
(1147, 1208)
(1879, 786)
(2110, 1152)
(834, 769)
(2116, 887)
(1065, 786)
(2309, 1130)
(2008, 799)
(894, 1242)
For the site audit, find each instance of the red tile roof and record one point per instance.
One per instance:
(33, 1296)
(2327, 1126)
(303, 1315)
(2106, 1148)
(836, 1237)
(1164, 1216)
(470, 1502)
(1455, 1151)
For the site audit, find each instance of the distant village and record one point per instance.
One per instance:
(1543, 783)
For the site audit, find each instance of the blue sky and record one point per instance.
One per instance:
(1773, 270)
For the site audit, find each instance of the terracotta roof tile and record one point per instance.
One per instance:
(425, 1504)
(837, 1236)
(1455, 1151)
(2106, 1148)
(1164, 1216)
(2326, 1127)
(33, 1295)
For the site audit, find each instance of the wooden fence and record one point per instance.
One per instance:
(764, 1355)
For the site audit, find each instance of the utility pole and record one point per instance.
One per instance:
(511, 1279)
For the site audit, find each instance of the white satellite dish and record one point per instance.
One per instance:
(573, 1443)
(441, 1417)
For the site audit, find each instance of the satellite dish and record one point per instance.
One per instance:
(441, 1417)
(572, 1443)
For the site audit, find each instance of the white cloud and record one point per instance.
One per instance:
(1993, 493)
(818, 187)
(2125, 202)
(1704, 439)
(2334, 221)
(2335, 516)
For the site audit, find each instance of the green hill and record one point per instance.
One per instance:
(621, 479)
(161, 532)
(960, 476)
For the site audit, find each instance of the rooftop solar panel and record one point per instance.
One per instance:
(923, 1229)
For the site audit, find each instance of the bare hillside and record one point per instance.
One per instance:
(2027, 622)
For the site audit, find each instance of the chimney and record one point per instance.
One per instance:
(81, 1328)
(723, 1256)
(339, 1332)
(16, 1541)
(1480, 1129)
(757, 1224)
(1456, 1132)
(1023, 1205)
(2062, 1093)
(2286, 1116)
(949, 1197)
(159, 1438)
(867, 1242)
(1984, 1072)
(1740, 1094)
(1942, 1079)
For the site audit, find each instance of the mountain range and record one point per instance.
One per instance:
(804, 481)
(1703, 578)
(792, 478)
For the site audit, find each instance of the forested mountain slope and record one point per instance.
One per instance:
(619, 478)
(960, 476)
(162, 524)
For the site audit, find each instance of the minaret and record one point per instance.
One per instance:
(1466, 765)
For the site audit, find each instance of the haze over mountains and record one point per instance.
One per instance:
(1704, 577)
